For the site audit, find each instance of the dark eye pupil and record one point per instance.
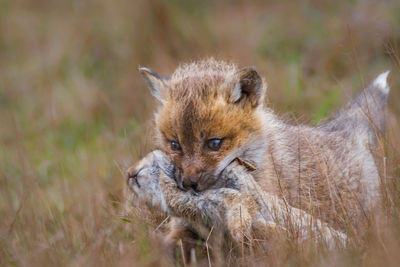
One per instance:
(214, 144)
(175, 145)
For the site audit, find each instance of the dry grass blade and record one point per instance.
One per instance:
(207, 246)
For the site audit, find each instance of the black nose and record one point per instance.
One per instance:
(189, 183)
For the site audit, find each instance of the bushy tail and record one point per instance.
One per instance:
(365, 114)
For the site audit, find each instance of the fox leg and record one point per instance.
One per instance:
(181, 239)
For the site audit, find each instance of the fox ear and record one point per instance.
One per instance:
(155, 82)
(249, 87)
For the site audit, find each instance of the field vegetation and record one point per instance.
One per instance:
(75, 114)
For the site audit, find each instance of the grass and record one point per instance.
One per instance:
(74, 113)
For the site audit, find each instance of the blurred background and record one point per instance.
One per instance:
(74, 112)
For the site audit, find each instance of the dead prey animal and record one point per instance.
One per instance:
(240, 209)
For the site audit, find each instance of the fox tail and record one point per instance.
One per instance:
(364, 116)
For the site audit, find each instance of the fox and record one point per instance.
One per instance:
(211, 113)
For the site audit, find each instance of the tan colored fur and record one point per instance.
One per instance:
(304, 164)
(326, 170)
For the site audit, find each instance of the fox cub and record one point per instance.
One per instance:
(212, 113)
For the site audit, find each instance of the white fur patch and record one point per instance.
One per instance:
(381, 82)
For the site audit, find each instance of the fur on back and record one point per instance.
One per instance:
(329, 169)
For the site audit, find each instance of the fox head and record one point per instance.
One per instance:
(209, 114)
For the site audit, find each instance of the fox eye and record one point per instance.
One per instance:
(175, 146)
(214, 144)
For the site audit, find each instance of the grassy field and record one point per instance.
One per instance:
(74, 112)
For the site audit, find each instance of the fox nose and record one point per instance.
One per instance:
(190, 183)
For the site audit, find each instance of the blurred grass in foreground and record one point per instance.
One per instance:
(74, 112)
